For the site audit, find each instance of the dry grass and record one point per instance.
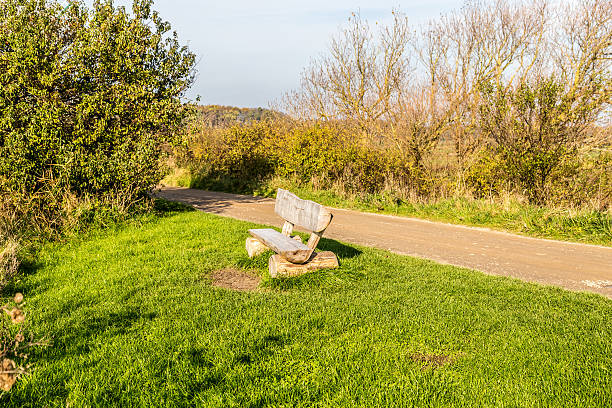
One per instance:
(9, 262)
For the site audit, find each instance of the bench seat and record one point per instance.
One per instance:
(287, 247)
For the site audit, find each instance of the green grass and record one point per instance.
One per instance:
(135, 322)
(511, 215)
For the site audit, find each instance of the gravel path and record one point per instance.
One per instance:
(572, 266)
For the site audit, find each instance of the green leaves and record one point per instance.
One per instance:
(535, 131)
(88, 96)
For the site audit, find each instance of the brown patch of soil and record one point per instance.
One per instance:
(431, 360)
(234, 279)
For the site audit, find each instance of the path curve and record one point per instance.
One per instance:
(572, 266)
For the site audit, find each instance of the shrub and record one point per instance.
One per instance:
(88, 98)
(588, 181)
(230, 158)
(308, 152)
(485, 177)
(241, 157)
(535, 131)
(578, 180)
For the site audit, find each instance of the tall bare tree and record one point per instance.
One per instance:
(495, 41)
(360, 79)
(510, 74)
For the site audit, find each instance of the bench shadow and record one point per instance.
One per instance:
(330, 278)
(341, 250)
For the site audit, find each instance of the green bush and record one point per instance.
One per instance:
(315, 151)
(588, 180)
(231, 158)
(577, 180)
(535, 131)
(88, 98)
(240, 157)
(485, 177)
(249, 152)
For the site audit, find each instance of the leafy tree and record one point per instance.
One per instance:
(535, 130)
(88, 97)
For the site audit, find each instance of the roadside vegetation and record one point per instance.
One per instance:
(90, 101)
(137, 320)
(496, 106)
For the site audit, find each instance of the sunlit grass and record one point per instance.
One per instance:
(135, 322)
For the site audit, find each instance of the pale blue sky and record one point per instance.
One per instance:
(251, 52)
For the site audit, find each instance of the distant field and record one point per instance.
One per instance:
(135, 322)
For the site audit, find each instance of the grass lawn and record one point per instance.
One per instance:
(136, 322)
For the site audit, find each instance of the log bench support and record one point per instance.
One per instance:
(292, 256)
(279, 267)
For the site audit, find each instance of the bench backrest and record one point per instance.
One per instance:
(304, 213)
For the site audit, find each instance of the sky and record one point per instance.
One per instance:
(250, 53)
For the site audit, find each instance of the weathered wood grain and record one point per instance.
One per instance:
(280, 267)
(255, 247)
(304, 213)
(292, 254)
(288, 248)
(287, 228)
(314, 239)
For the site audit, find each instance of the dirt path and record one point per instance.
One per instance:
(569, 265)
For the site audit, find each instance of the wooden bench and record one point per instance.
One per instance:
(292, 256)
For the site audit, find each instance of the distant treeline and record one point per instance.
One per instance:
(217, 115)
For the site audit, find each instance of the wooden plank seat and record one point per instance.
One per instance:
(294, 257)
(289, 248)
